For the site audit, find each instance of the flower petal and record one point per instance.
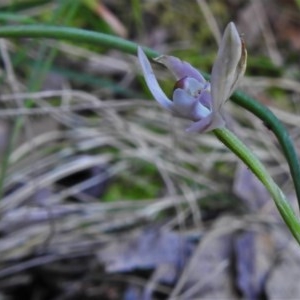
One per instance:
(200, 126)
(205, 98)
(180, 68)
(209, 123)
(152, 83)
(229, 66)
(189, 107)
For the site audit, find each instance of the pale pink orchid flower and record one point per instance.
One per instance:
(194, 98)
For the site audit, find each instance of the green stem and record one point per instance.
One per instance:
(73, 34)
(241, 150)
(80, 35)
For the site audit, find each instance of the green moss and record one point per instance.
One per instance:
(141, 182)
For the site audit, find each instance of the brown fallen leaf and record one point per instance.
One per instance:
(148, 249)
(208, 275)
(249, 189)
(283, 282)
(254, 255)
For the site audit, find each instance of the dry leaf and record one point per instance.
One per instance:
(249, 189)
(254, 253)
(283, 282)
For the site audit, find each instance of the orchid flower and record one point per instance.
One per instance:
(194, 98)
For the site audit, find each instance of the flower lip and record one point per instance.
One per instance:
(192, 86)
(186, 106)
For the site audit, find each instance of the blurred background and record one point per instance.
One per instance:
(103, 193)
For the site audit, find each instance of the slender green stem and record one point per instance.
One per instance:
(239, 148)
(73, 34)
(80, 35)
